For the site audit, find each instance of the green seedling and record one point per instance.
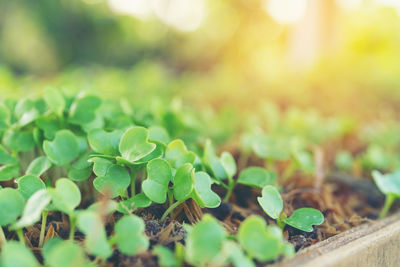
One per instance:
(83, 110)
(103, 142)
(212, 163)
(204, 241)
(63, 149)
(54, 100)
(159, 175)
(302, 219)
(7, 172)
(114, 183)
(202, 193)
(260, 241)
(14, 254)
(18, 140)
(136, 202)
(178, 155)
(29, 184)
(389, 185)
(81, 169)
(129, 235)
(135, 145)
(11, 207)
(60, 253)
(165, 256)
(39, 166)
(257, 177)
(6, 158)
(235, 255)
(25, 112)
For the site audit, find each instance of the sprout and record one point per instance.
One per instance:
(389, 185)
(63, 149)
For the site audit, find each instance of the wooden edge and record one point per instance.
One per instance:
(371, 244)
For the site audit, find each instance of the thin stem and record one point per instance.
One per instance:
(43, 228)
(170, 197)
(170, 209)
(21, 237)
(133, 181)
(72, 224)
(3, 239)
(230, 189)
(388, 203)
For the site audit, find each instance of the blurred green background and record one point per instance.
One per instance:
(339, 57)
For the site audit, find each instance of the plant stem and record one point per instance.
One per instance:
(133, 181)
(72, 224)
(388, 203)
(20, 234)
(170, 209)
(43, 228)
(3, 239)
(231, 185)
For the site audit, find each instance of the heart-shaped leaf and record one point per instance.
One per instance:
(29, 184)
(38, 166)
(257, 177)
(66, 196)
(159, 174)
(25, 112)
(271, 201)
(81, 169)
(83, 110)
(129, 235)
(259, 240)
(105, 142)
(269, 147)
(158, 134)
(183, 182)
(18, 141)
(100, 165)
(236, 255)
(137, 201)
(304, 218)
(64, 254)
(177, 154)
(202, 193)
(388, 183)
(15, 254)
(49, 125)
(114, 183)
(54, 100)
(134, 144)
(204, 241)
(90, 223)
(63, 149)
(7, 172)
(165, 256)
(229, 164)
(11, 205)
(33, 209)
(6, 158)
(213, 163)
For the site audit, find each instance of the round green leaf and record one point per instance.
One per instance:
(64, 254)
(63, 149)
(159, 174)
(137, 201)
(100, 165)
(257, 177)
(388, 183)
(29, 184)
(81, 169)
(165, 256)
(54, 100)
(15, 254)
(114, 183)
(129, 235)
(6, 158)
(38, 166)
(105, 142)
(159, 134)
(11, 205)
(134, 144)
(183, 182)
(66, 195)
(177, 154)
(213, 163)
(202, 193)
(269, 147)
(304, 218)
(18, 141)
(271, 201)
(229, 164)
(7, 172)
(83, 110)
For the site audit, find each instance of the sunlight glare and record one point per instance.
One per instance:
(286, 11)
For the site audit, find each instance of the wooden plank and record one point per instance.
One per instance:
(373, 244)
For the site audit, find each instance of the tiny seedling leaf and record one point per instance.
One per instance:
(11, 205)
(183, 182)
(29, 184)
(304, 218)
(114, 183)
(105, 142)
(38, 166)
(134, 144)
(159, 174)
(66, 195)
(271, 201)
(15, 254)
(177, 154)
(202, 193)
(129, 235)
(257, 177)
(137, 201)
(63, 149)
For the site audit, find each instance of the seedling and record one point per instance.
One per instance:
(63, 149)
(16, 254)
(389, 185)
(302, 219)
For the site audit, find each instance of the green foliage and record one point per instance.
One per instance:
(58, 253)
(18, 140)
(305, 218)
(257, 177)
(202, 193)
(178, 155)
(66, 196)
(29, 184)
(54, 100)
(183, 182)
(38, 166)
(114, 182)
(165, 256)
(389, 185)
(11, 206)
(83, 110)
(63, 149)
(134, 144)
(129, 235)
(16, 255)
(159, 175)
(271, 201)
(105, 142)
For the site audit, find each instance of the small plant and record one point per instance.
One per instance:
(389, 185)
(302, 219)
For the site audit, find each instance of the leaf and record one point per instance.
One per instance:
(7, 172)
(183, 182)
(129, 235)
(63, 149)
(236, 255)
(204, 241)
(81, 169)
(268, 147)
(33, 209)
(11, 205)
(115, 182)
(166, 257)
(18, 140)
(304, 218)
(159, 134)
(6, 158)
(105, 142)
(106, 207)
(257, 177)
(15, 254)
(39, 166)
(4, 117)
(202, 193)
(137, 201)
(271, 201)
(66, 195)
(213, 163)
(159, 174)
(259, 240)
(229, 164)
(134, 144)
(100, 165)
(49, 126)
(64, 254)
(54, 100)
(178, 155)
(91, 225)
(388, 183)
(29, 184)
(25, 112)
(83, 110)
